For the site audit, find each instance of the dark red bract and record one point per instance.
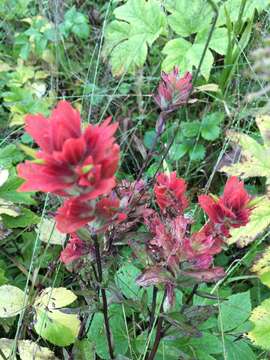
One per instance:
(73, 251)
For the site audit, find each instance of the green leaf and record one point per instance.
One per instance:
(258, 223)
(177, 151)
(83, 350)
(125, 279)
(235, 311)
(197, 152)
(210, 129)
(149, 138)
(8, 191)
(183, 13)
(262, 267)
(185, 55)
(238, 350)
(11, 301)
(208, 343)
(218, 42)
(77, 23)
(139, 23)
(260, 318)
(191, 129)
(233, 9)
(53, 323)
(9, 155)
(97, 334)
(26, 218)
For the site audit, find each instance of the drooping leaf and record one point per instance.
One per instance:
(260, 318)
(11, 301)
(52, 322)
(139, 23)
(235, 311)
(262, 267)
(258, 223)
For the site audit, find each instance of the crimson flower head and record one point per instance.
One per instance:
(71, 162)
(173, 90)
(75, 213)
(170, 193)
(73, 251)
(231, 209)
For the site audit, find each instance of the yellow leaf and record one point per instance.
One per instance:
(54, 298)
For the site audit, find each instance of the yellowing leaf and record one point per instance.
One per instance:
(54, 298)
(49, 234)
(3, 176)
(28, 350)
(11, 301)
(262, 267)
(8, 208)
(208, 87)
(260, 318)
(255, 160)
(259, 221)
(52, 322)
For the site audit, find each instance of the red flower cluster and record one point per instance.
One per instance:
(173, 90)
(76, 164)
(170, 193)
(174, 247)
(70, 162)
(73, 251)
(231, 209)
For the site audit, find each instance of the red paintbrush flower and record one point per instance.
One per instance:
(73, 251)
(173, 90)
(231, 209)
(74, 214)
(70, 162)
(170, 193)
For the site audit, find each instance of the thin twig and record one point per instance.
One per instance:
(153, 307)
(104, 297)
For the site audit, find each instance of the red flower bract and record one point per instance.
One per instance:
(72, 162)
(231, 208)
(170, 193)
(173, 90)
(73, 251)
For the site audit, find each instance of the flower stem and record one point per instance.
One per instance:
(159, 335)
(104, 297)
(153, 307)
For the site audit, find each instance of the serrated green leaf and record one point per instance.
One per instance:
(258, 223)
(185, 55)
(197, 152)
(210, 129)
(218, 42)
(183, 13)
(139, 23)
(177, 151)
(11, 301)
(191, 129)
(260, 318)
